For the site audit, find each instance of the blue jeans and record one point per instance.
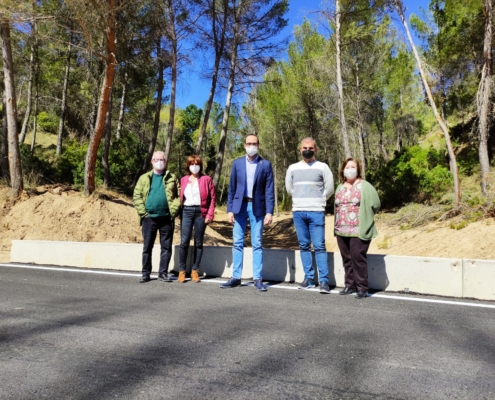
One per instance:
(310, 227)
(191, 217)
(256, 224)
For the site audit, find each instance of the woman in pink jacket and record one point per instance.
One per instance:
(197, 196)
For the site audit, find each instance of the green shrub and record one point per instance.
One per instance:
(48, 122)
(70, 165)
(35, 168)
(414, 175)
(125, 160)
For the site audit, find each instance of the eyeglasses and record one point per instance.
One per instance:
(158, 159)
(252, 144)
(307, 148)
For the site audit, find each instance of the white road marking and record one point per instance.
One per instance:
(274, 286)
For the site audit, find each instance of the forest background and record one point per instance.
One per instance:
(90, 91)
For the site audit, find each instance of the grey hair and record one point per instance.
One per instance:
(309, 139)
(158, 152)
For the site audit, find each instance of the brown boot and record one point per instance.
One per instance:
(195, 276)
(182, 277)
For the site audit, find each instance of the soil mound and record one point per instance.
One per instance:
(57, 212)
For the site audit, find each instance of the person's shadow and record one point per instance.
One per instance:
(377, 273)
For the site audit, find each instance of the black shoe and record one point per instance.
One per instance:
(164, 278)
(348, 290)
(324, 287)
(258, 284)
(232, 282)
(361, 294)
(307, 284)
(144, 279)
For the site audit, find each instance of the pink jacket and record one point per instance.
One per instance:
(207, 193)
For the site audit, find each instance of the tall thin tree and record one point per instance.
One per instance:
(29, 97)
(63, 105)
(172, 8)
(218, 15)
(4, 162)
(110, 62)
(483, 98)
(230, 91)
(10, 112)
(343, 125)
(397, 4)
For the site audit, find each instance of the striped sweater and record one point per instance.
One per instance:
(310, 185)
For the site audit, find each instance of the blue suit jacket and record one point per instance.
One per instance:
(263, 188)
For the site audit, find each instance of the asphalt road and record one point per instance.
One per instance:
(80, 335)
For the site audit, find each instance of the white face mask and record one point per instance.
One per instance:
(194, 169)
(350, 173)
(251, 150)
(159, 165)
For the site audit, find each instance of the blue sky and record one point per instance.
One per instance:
(193, 90)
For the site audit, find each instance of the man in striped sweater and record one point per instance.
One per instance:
(310, 183)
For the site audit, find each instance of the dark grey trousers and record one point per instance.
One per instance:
(354, 252)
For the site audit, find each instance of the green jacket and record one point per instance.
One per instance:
(172, 191)
(368, 207)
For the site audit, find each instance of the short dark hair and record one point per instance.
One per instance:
(194, 160)
(341, 172)
(252, 134)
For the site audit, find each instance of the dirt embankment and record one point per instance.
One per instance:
(60, 213)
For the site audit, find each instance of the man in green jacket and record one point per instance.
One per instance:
(157, 202)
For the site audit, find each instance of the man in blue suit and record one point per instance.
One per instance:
(251, 195)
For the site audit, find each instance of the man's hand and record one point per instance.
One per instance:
(207, 221)
(230, 218)
(268, 219)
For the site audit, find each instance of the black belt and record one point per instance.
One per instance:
(191, 206)
(248, 199)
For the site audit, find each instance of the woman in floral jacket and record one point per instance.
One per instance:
(356, 203)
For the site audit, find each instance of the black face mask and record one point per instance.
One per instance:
(308, 154)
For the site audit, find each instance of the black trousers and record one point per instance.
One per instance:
(354, 252)
(150, 228)
(191, 218)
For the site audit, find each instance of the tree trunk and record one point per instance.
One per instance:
(106, 147)
(32, 67)
(483, 99)
(219, 50)
(63, 106)
(94, 143)
(36, 104)
(228, 100)
(360, 125)
(91, 119)
(158, 107)
(343, 127)
(118, 133)
(174, 56)
(275, 174)
(10, 112)
(5, 141)
(379, 126)
(443, 126)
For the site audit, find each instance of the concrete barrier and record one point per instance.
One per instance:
(436, 276)
(479, 279)
(120, 256)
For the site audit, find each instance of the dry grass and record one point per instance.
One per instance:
(42, 139)
(414, 215)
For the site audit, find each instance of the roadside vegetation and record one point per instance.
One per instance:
(422, 126)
